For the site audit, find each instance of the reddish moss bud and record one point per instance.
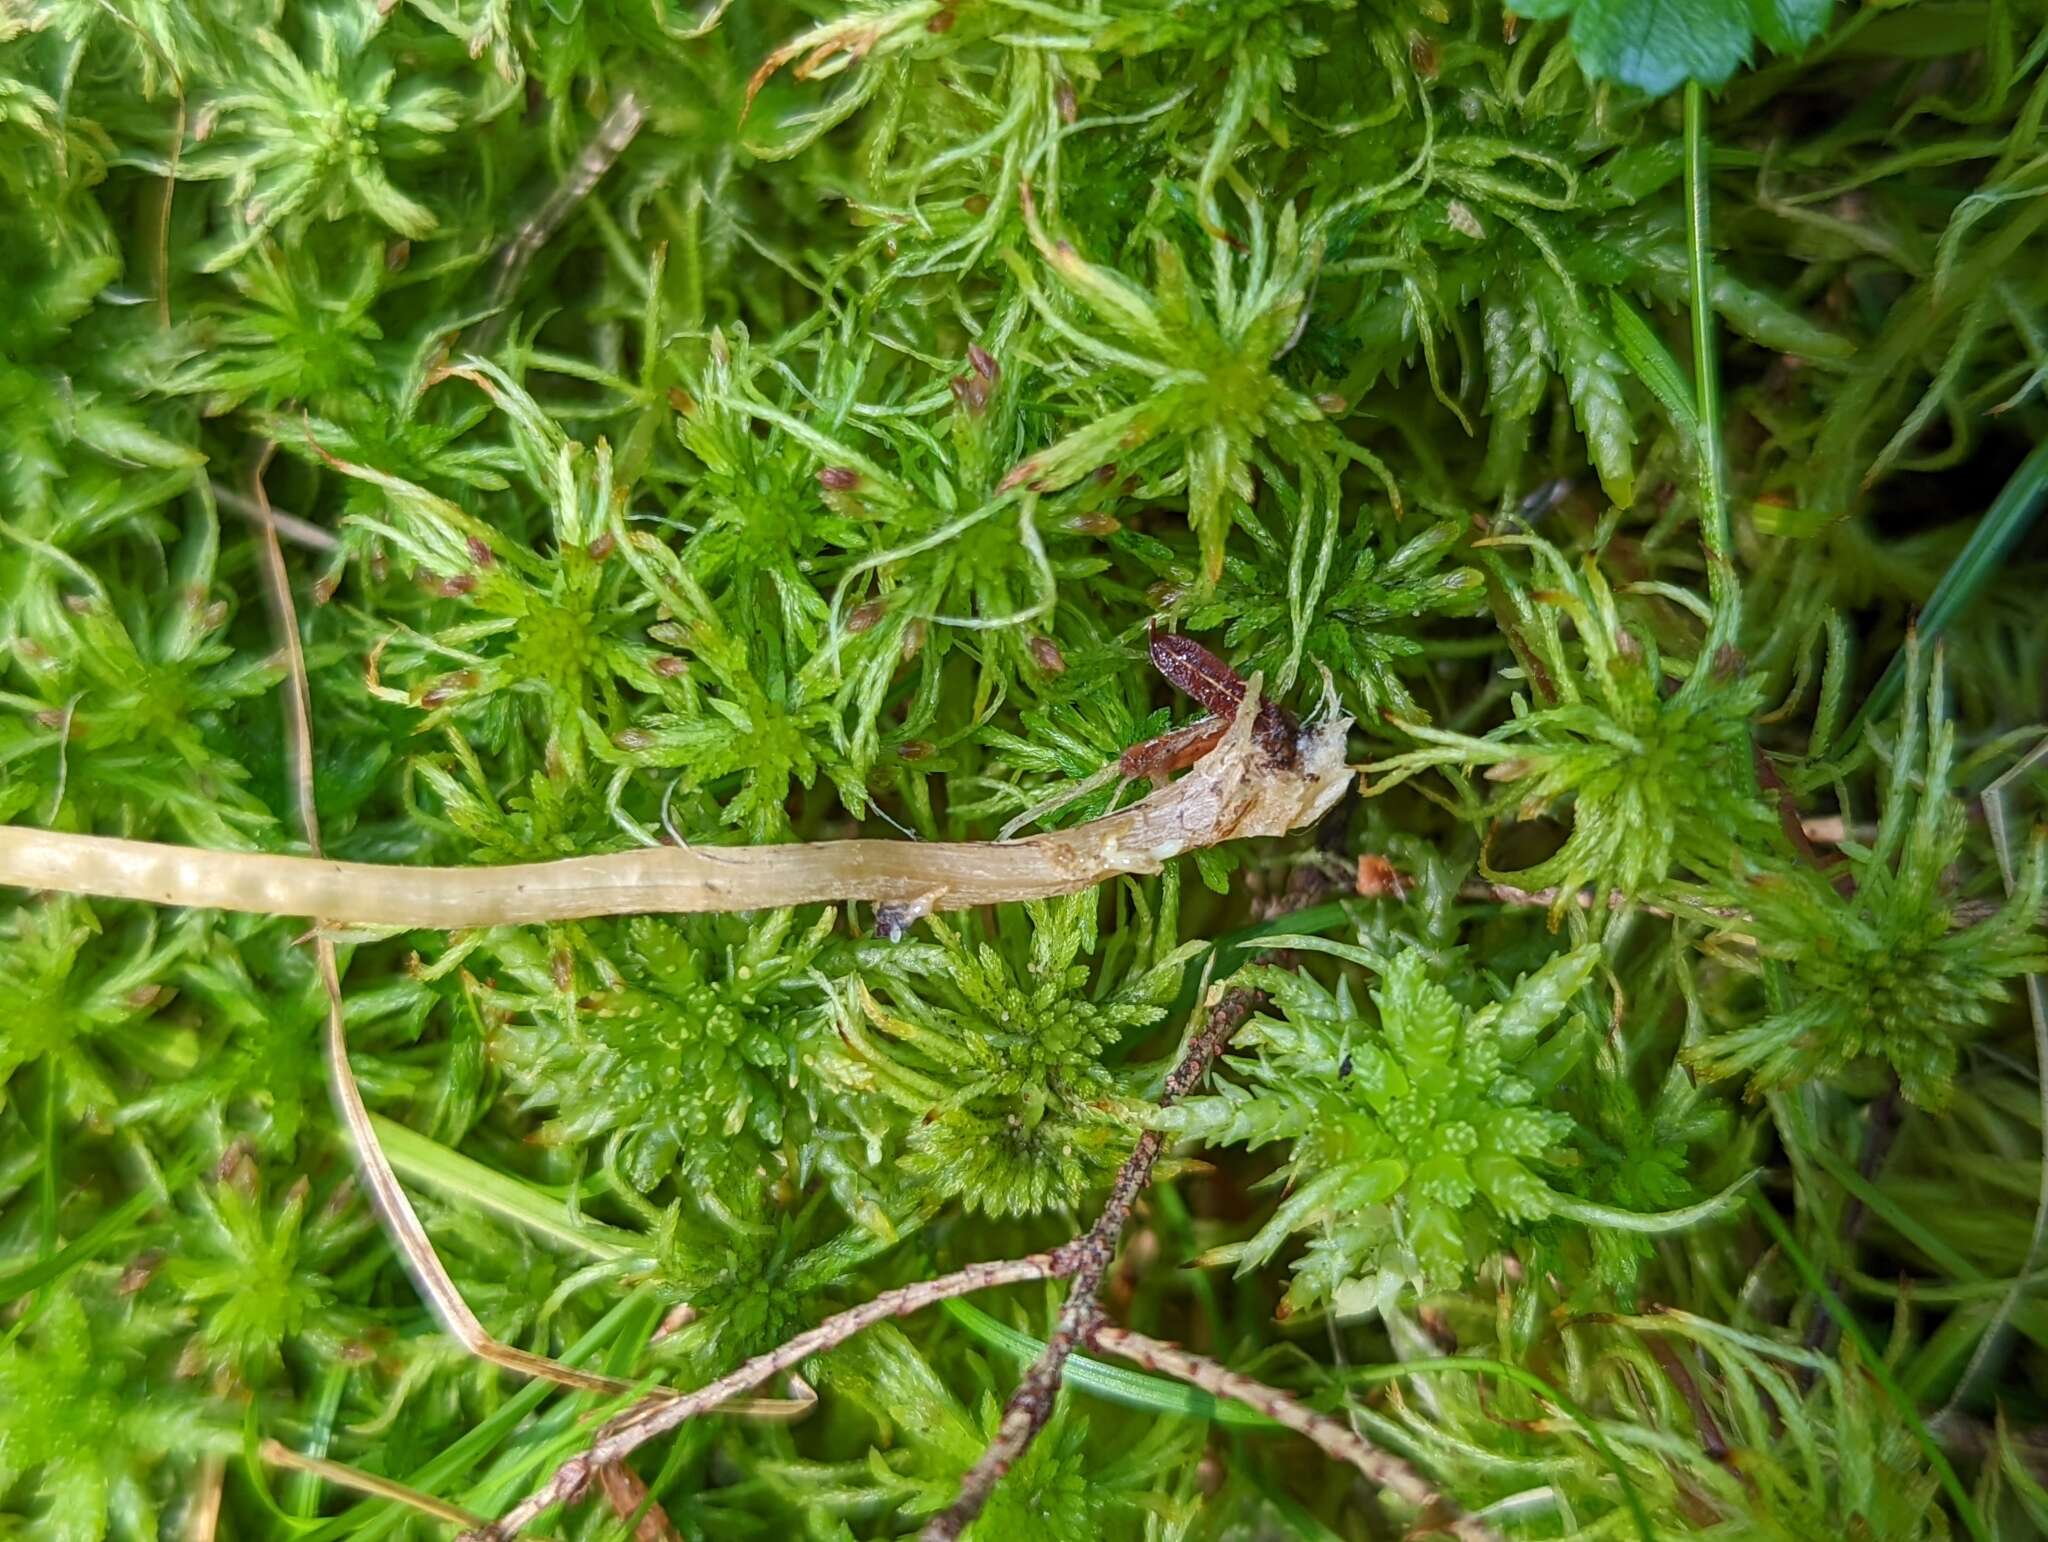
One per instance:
(838, 479)
(971, 392)
(447, 688)
(1380, 879)
(139, 1272)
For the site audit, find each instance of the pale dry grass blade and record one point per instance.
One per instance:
(400, 1221)
(278, 1454)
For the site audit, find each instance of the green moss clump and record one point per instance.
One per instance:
(686, 426)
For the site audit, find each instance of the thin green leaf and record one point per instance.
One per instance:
(1131, 1389)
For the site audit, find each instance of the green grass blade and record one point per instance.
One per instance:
(1937, 1459)
(1370, 1375)
(426, 1162)
(1715, 532)
(90, 1243)
(1881, 1205)
(1132, 1389)
(2009, 518)
(455, 1458)
(1654, 366)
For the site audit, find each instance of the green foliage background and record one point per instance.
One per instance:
(818, 467)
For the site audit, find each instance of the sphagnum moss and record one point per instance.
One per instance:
(701, 435)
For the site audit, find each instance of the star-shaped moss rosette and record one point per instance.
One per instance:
(986, 1061)
(1649, 757)
(1420, 1136)
(672, 1039)
(1884, 968)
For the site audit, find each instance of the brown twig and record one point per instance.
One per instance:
(1091, 1255)
(625, 1434)
(292, 527)
(1483, 892)
(1085, 1261)
(1335, 1438)
(202, 1517)
(1081, 1324)
(621, 126)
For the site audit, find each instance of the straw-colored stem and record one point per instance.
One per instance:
(1233, 791)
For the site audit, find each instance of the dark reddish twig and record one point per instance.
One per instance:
(624, 1435)
(1668, 1360)
(621, 126)
(1087, 1258)
(1335, 1438)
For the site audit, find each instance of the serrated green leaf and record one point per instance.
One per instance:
(1659, 45)
(1593, 372)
